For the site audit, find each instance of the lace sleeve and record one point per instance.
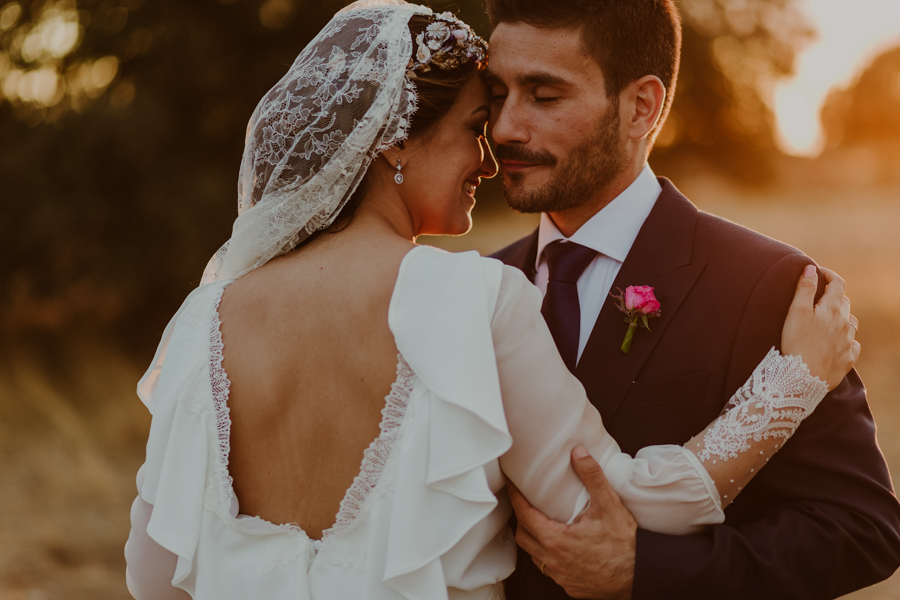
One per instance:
(757, 421)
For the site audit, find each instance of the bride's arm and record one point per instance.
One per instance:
(667, 488)
(781, 391)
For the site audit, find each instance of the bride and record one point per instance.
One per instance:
(323, 337)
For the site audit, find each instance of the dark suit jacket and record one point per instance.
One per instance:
(821, 519)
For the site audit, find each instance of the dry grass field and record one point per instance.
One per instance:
(72, 430)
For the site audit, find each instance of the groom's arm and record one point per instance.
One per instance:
(819, 521)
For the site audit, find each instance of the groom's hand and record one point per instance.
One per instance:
(592, 558)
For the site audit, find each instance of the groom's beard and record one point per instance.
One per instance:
(591, 165)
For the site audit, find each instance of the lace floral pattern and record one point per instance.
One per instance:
(777, 397)
(314, 134)
(344, 543)
(376, 455)
(218, 380)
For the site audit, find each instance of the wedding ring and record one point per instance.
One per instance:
(542, 569)
(855, 325)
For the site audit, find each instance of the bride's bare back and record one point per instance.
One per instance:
(308, 350)
(310, 358)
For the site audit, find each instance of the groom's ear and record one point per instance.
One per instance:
(644, 99)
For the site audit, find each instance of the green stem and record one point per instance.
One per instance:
(629, 336)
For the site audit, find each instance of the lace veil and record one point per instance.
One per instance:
(313, 136)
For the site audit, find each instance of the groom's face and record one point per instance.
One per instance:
(555, 131)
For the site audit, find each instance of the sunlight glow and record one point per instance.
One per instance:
(850, 35)
(37, 71)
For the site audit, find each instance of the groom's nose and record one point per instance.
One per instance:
(507, 125)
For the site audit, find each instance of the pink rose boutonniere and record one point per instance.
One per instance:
(639, 305)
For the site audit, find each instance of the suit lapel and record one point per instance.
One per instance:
(660, 257)
(524, 254)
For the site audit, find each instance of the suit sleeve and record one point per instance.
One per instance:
(820, 520)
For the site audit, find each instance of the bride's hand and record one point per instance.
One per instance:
(822, 333)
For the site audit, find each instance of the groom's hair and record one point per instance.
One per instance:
(628, 38)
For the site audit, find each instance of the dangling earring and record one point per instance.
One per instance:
(398, 177)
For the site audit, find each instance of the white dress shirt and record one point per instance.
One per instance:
(611, 232)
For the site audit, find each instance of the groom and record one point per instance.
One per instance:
(580, 88)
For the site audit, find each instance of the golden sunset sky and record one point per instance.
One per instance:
(850, 33)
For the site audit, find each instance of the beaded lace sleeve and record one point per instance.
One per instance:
(757, 421)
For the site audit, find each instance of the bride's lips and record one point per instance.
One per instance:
(471, 185)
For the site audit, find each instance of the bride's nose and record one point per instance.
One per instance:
(488, 163)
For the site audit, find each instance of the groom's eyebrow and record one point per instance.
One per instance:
(541, 78)
(528, 79)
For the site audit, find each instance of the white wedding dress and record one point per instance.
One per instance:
(481, 395)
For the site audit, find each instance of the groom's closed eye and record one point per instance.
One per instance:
(543, 96)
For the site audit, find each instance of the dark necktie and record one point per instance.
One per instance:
(566, 261)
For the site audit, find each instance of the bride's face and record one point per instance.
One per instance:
(443, 168)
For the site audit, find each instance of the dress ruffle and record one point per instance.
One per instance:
(186, 478)
(178, 448)
(448, 474)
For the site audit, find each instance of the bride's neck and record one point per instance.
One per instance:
(384, 212)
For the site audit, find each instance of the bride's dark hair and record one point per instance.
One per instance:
(437, 91)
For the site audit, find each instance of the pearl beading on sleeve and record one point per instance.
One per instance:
(757, 421)
(777, 397)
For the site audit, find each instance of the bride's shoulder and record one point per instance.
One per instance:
(428, 262)
(443, 267)
(205, 297)
(199, 305)
(432, 275)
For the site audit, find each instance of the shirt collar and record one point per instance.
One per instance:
(613, 229)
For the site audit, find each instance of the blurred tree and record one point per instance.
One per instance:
(868, 110)
(122, 123)
(115, 199)
(733, 53)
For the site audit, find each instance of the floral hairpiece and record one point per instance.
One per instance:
(446, 44)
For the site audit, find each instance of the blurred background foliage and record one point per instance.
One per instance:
(867, 112)
(121, 130)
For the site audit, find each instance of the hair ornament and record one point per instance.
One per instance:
(446, 44)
